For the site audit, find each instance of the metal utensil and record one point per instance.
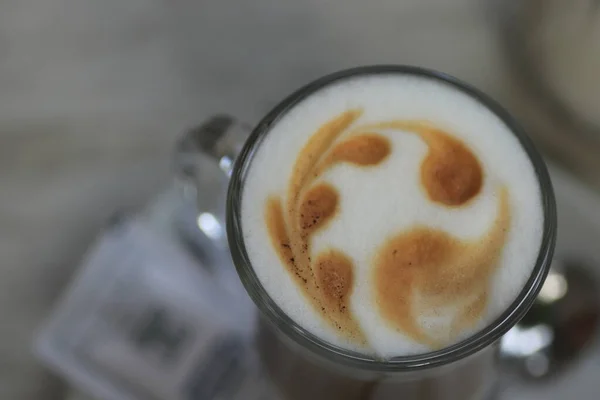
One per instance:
(561, 324)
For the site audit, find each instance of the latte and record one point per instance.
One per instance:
(391, 214)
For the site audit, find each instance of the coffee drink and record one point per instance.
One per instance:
(391, 214)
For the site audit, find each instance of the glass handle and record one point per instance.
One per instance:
(221, 137)
(203, 162)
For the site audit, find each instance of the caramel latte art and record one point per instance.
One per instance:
(391, 214)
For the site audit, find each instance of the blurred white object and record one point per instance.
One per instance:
(143, 319)
(556, 47)
(567, 42)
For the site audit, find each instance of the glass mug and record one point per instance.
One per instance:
(302, 365)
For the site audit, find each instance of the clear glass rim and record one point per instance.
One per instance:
(273, 313)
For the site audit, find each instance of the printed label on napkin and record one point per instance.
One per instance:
(143, 320)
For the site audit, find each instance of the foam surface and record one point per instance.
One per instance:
(379, 202)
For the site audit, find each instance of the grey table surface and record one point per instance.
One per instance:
(93, 95)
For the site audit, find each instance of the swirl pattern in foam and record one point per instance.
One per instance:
(391, 214)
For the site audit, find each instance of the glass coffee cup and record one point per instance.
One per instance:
(304, 366)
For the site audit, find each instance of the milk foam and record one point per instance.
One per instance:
(378, 202)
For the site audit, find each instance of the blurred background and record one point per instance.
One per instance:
(95, 93)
